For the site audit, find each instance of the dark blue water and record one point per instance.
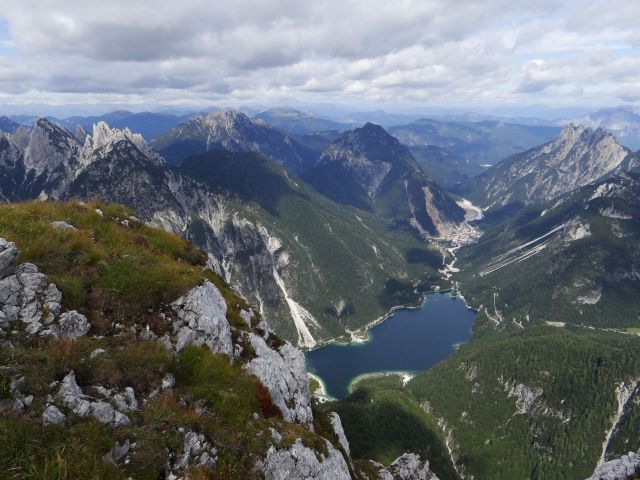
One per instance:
(409, 340)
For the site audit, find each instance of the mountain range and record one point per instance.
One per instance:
(324, 232)
(263, 235)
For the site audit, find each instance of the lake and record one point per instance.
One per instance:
(410, 340)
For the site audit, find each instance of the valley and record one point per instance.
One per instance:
(420, 307)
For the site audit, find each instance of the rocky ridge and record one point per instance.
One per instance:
(232, 131)
(576, 158)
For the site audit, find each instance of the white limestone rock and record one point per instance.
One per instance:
(61, 225)
(284, 375)
(196, 451)
(301, 463)
(70, 325)
(202, 314)
(8, 255)
(408, 466)
(72, 397)
(53, 415)
(336, 423)
(623, 468)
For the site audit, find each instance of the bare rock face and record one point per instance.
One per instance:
(336, 423)
(301, 463)
(627, 466)
(202, 314)
(576, 158)
(284, 374)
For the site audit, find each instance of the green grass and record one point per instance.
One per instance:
(105, 269)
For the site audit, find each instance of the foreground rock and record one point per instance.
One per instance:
(27, 296)
(284, 373)
(202, 315)
(301, 463)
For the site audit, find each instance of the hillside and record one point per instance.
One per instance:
(575, 261)
(132, 359)
(555, 355)
(328, 250)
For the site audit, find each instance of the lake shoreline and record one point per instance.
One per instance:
(406, 340)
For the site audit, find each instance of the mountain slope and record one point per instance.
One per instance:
(483, 143)
(577, 260)
(369, 169)
(577, 157)
(235, 132)
(330, 249)
(264, 231)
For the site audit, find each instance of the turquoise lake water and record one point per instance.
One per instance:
(409, 340)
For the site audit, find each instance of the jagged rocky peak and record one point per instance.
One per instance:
(49, 146)
(578, 156)
(368, 153)
(103, 140)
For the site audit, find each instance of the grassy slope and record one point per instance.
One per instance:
(367, 263)
(114, 273)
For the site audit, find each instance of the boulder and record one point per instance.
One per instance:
(72, 397)
(301, 463)
(202, 320)
(62, 225)
(71, 325)
(53, 415)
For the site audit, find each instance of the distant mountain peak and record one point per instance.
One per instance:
(578, 156)
(104, 139)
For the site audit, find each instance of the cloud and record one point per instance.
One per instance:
(362, 52)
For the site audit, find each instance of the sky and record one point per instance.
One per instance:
(400, 55)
